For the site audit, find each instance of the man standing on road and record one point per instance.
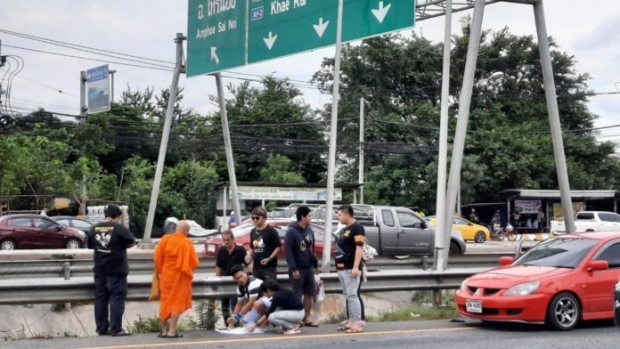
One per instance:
(229, 255)
(349, 250)
(110, 240)
(301, 260)
(175, 261)
(264, 247)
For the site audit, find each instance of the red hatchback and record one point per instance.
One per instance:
(28, 231)
(561, 281)
(242, 238)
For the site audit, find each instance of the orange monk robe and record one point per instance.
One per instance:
(175, 260)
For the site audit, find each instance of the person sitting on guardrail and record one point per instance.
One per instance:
(110, 240)
(175, 261)
(229, 255)
(264, 246)
(286, 309)
(249, 306)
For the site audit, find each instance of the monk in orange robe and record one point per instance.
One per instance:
(175, 261)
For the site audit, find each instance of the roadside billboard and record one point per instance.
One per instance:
(98, 84)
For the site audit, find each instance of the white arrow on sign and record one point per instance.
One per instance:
(320, 28)
(214, 56)
(381, 12)
(270, 40)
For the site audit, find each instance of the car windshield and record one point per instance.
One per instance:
(558, 252)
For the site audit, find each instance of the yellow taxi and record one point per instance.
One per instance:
(469, 231)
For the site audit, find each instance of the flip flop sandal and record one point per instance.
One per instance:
(161, 335)
(310, 324)
(342, 328)
(353, 330)
(176, 335)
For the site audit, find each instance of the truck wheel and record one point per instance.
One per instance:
(480, 237)
(454, 248)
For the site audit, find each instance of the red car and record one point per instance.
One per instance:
(559, 282)
(242, 238)
(28, 231)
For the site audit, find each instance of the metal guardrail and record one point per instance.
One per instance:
(81, 289)
(143, 265)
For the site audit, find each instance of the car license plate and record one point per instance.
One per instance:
(211, 248)
(474, 307)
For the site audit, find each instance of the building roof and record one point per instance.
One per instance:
(546, 193)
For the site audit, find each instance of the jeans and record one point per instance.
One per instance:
(110, 294)
(350, 290)
(286, 318)
(361, 303)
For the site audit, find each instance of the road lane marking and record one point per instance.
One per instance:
(281, 338)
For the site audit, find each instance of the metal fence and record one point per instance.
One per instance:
(81, 289)
(142, 264)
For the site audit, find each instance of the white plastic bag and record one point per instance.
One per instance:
(319, 294)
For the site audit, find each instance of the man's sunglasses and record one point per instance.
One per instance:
(255, 218)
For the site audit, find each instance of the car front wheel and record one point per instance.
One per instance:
(564, 312)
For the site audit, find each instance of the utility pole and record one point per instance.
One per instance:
(361, 161)
(83, 115)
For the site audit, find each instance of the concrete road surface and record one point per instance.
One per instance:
(428, 334)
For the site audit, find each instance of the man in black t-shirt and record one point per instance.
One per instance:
(349, 250)
(229, 255)
(264, 247)
(110, 240)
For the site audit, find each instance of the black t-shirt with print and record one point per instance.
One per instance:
(110, 241)
(264, 242)
(226, 261)
(351, 236)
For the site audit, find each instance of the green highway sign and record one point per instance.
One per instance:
(216, 35)
(268, 29)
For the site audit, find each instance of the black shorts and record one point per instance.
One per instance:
(266, 274)
(305, 284)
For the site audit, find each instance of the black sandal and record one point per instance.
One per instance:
(176, 335)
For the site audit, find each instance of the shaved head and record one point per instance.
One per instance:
(183, 227)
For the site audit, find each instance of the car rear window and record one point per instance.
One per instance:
(19, 222)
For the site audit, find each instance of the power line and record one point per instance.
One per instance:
(76, 46)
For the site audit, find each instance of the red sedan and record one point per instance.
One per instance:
(559, 282)
(29, 231)
(242, 238)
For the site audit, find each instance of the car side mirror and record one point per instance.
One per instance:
(506, 261)
(470, 224)
(597, 265)
(58, 228)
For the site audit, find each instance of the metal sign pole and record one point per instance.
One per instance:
(441, 256)
(229, 153)
(333, 132)
(163, 147)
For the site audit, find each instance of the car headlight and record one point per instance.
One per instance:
(524, 289)
(463, 287)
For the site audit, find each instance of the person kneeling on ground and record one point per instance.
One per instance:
(286, 309)
(249, 306)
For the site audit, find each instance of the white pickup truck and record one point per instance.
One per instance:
(588, 221)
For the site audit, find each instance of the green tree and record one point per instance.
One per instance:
(280, 169)
(508, 143)
(271, 119)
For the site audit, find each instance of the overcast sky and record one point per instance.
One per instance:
(146, 28)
